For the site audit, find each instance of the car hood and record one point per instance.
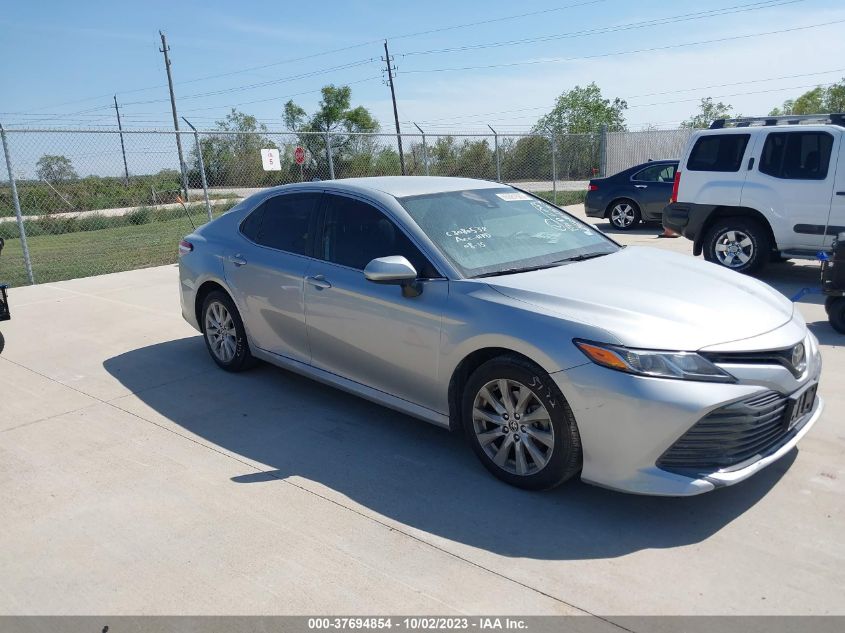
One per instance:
(653, 299)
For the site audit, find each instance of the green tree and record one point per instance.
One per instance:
(583, 110)
(55, 169)
(335, 116)
(232, 156)
(816, 101)
(707, 113)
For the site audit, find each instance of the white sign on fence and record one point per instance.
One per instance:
(270, 160)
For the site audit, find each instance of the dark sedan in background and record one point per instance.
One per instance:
(635, 195)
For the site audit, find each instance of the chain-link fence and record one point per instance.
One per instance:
(75, 203)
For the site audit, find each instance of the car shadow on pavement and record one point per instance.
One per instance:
(648, 228)
(407, 471)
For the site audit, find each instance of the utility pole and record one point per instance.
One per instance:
(122, 146)
(165, 49)
(391, 70)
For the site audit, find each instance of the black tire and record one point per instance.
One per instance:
(2, 342)
(751, 253)
(622, 219)
(562, 453)
(242, 358)
(836, 313)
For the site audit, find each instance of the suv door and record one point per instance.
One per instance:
(792, 185)
(369, 332)
(836, 218)
(266, 274)
(653, 188)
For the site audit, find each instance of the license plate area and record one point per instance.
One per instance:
(799, 406)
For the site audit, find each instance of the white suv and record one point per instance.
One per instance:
(751, 190)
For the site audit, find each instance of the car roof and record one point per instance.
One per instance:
(402, 186)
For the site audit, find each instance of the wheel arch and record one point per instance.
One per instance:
(206, 288)
(464, 370)
(722, 212)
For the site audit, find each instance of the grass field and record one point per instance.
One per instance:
(85, 253)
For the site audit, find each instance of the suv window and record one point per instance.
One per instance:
(355, 233)
(284, 222)
(656, 173)
(718, 152)
(796, 155)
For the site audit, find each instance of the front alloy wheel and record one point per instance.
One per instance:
(519, 424)
(513, 427)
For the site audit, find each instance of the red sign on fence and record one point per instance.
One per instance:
(299, 155)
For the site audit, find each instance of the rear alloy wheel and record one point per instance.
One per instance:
(741, 244)
(224, 333)
(624, 215)
(520, 425)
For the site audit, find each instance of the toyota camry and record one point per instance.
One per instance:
(482, 308)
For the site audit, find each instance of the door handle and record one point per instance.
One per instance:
(840, 193)
(237, 260)
(319, 282)
(641, 186)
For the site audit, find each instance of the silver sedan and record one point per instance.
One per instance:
(479, 307)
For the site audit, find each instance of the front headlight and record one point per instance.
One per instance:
(657, 364)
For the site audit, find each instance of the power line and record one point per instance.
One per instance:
(559, 60)
(651, 94)
(685, 17)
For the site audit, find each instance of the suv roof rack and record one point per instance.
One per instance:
(786, 119)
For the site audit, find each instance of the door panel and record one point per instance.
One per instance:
(369, 332)
(836, 218)
(652, 189)
(779, 186)
(715, 168)
(268, 289)
(266, 273)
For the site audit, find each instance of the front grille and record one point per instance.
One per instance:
(729, 435)
(774, 357)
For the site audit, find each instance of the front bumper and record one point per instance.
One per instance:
(627, 423)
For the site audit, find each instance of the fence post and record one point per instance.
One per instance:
(425, 149)
(603, 151)
(24, 246)
(202, 168)
(554, 168)
(496, 149)
(329, 154)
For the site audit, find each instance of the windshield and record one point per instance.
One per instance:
(496, 231)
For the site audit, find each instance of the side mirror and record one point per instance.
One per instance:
(394, 269)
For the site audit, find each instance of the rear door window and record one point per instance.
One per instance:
(718, 152)
(656, 173)
(288, 222)
(797, 155)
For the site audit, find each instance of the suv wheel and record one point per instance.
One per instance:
(741, 244)
(624, 215)
(835, 307)
(520, 425)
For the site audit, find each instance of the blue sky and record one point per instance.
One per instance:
(62, 61)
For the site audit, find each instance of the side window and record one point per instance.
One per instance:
(355, 233)
(796, 155)
(287, 222)
(718, 152)
(656, 173)
(251, 224)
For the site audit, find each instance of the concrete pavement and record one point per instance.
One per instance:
(137, 478)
